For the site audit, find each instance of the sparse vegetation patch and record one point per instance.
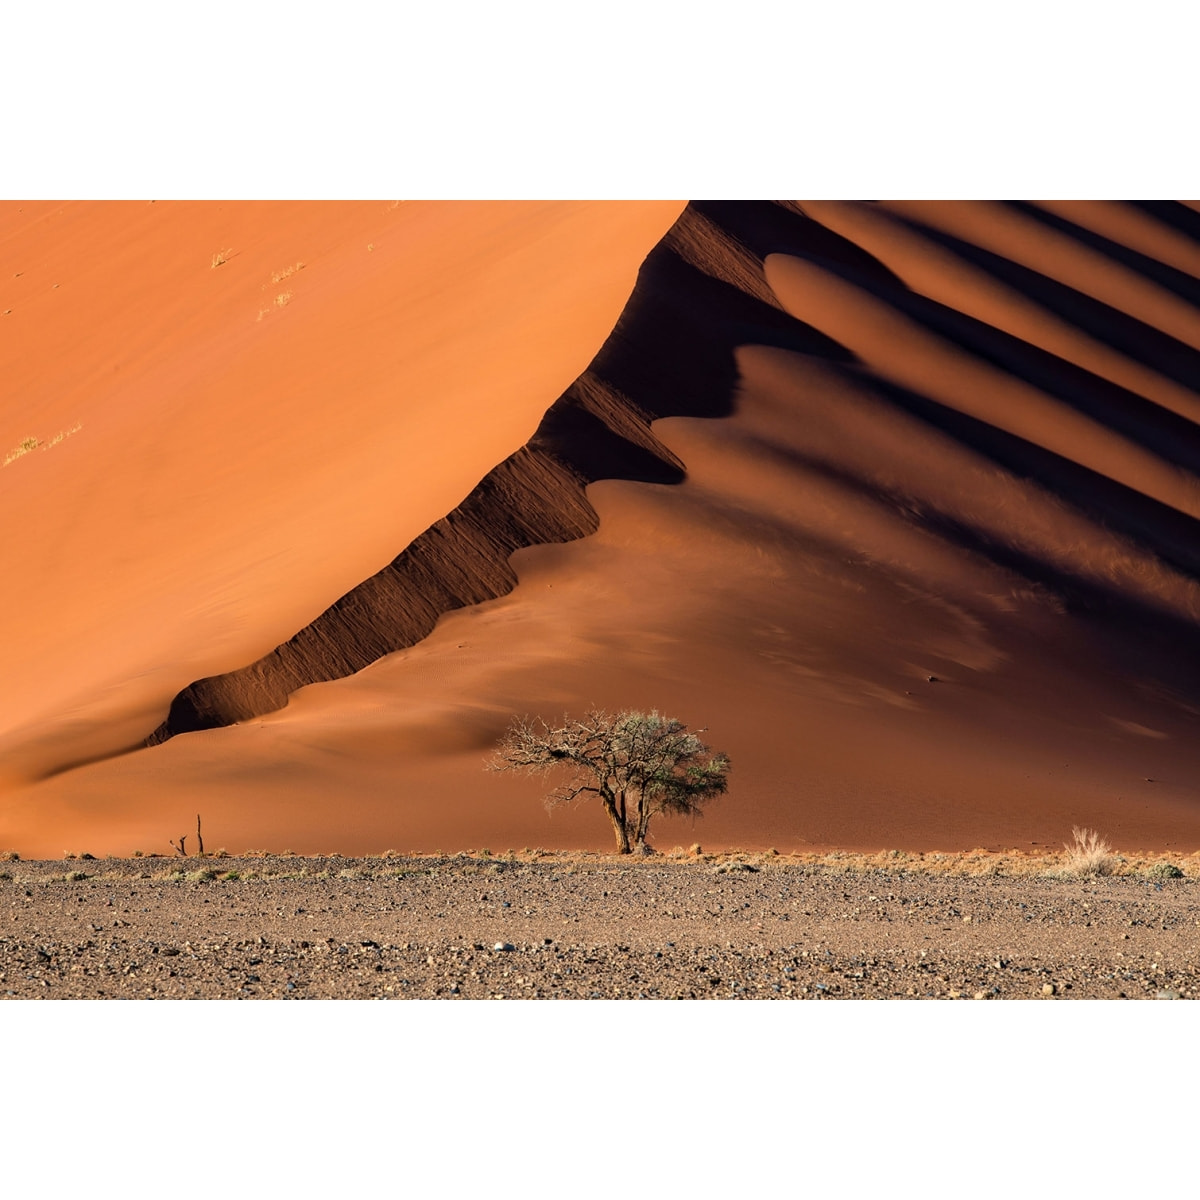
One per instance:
(30, 444)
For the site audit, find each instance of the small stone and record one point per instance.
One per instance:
(1048, 989)
(967, 919)
(981, 995)
(1167, 994)
(504, 946)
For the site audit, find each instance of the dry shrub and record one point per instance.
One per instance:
(1088, 854)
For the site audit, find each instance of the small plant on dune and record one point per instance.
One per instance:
(220, 258)
(26, 446)
(1088, 854)
(30, 444)
(286, 272)
(10, 856)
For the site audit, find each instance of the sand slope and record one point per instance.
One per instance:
(270, 398)
(936, 440)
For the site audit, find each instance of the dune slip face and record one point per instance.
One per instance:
(898, 499)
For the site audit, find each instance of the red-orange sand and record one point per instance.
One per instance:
(993, 482)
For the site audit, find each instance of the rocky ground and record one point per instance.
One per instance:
(556, 926)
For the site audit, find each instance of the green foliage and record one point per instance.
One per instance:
(1164, 870)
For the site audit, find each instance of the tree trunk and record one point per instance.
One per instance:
(644, 813)
(619, 826)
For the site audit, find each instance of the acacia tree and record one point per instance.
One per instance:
(637, 763)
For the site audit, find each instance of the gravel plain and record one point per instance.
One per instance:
(577, 926)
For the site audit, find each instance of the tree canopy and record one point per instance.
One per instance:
(637, 763)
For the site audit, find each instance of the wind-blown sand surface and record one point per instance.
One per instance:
(899, 500)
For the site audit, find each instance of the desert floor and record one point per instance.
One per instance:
(567, 926)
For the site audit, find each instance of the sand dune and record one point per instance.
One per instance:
(270, 399)
(899, 500)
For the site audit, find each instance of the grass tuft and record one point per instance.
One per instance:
(1088, 854)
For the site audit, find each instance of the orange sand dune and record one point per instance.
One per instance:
(899, 500)
(268, 399)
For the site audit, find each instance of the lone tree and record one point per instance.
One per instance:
(638, 764)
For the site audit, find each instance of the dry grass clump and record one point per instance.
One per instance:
(286, 272)
(30, 444)
(220, 258)
(26, 446)
(1088, 854)
(9, 856)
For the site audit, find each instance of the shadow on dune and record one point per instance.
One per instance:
(1173, 214)
(1133, 338)
(1172, 437)
(1185, 286)
(700, 295)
